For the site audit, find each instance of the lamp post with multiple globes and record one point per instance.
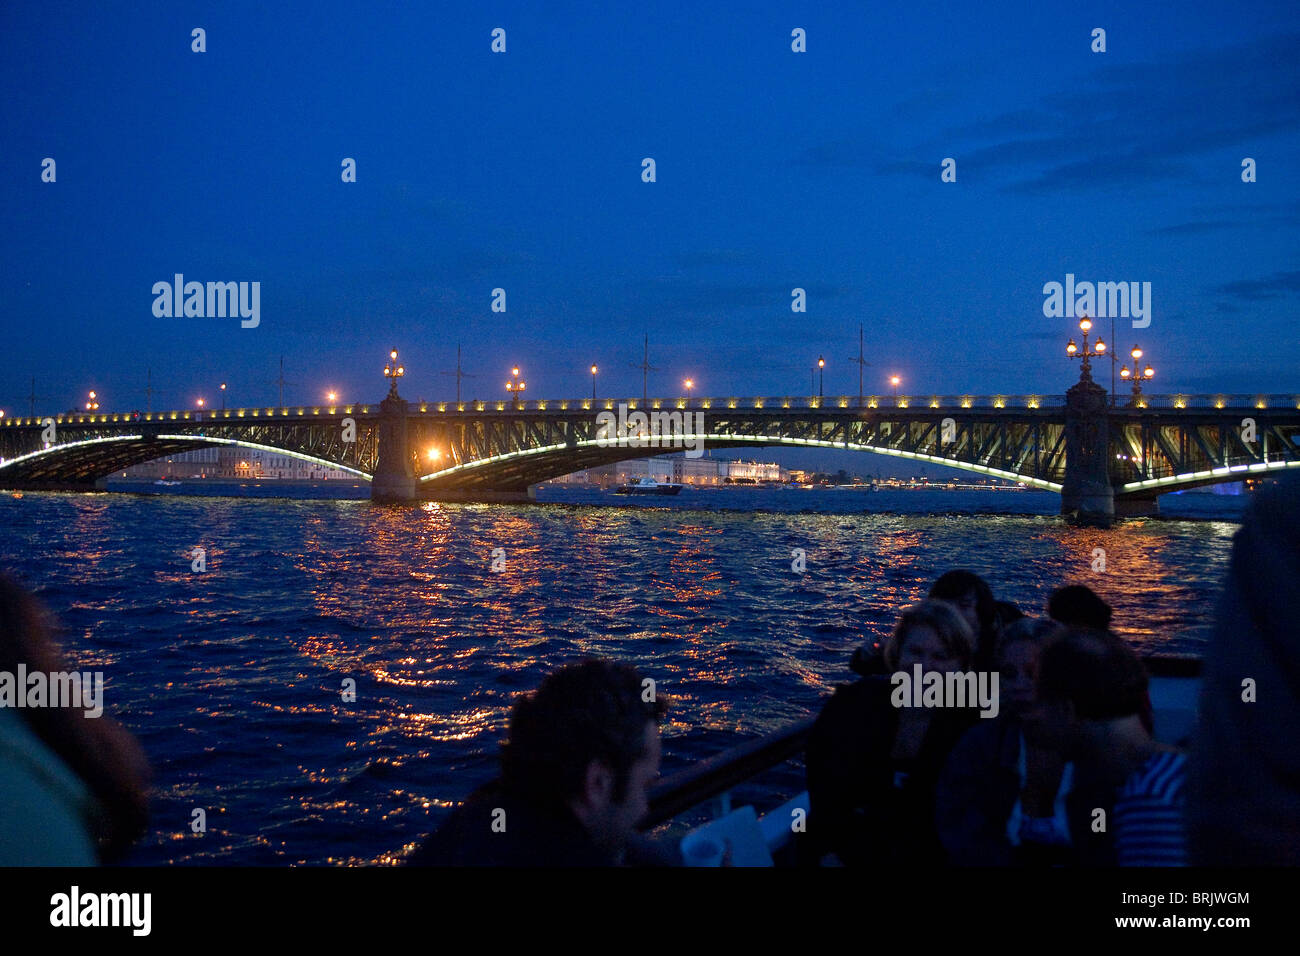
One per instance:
(392, 372)
(1139, 375)
(515, 385)
(1098, 350)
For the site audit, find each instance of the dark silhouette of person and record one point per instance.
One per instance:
(582, 752)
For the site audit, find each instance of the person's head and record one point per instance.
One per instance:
(1077, 605)
(1006, 614)
(99, 750)
(1089, 681)
(587, 739)
(970, 594)
(1020, 644)
(933, 634)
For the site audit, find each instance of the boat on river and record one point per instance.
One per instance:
(648, 486)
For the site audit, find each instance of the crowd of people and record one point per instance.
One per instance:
(1066, 770)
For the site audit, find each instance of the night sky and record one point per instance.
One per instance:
(523, 171)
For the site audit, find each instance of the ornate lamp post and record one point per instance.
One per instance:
(821, 377)
(1098, 349)
(894, 380)
(1139, 375)
(515, 385)
(392, 372)
(92, 403)
(223, 396)
(593, 382)
(689, 384)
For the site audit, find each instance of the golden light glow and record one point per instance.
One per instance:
(1100, 346)
(1085, 323)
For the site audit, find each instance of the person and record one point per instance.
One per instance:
(973, 598)
(74, 788)
(1130, 809)
(582, 752)
(872, 766)
(1244, 791)
(1078, 605)
(999, 802)
(1005, 615)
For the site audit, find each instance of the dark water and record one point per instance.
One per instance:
(231, 677)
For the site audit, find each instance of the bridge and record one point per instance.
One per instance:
(1105, 460)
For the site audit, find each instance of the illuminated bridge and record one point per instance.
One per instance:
(1105, 460)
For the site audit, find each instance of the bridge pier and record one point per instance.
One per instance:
(1087, 496)
(394, 478)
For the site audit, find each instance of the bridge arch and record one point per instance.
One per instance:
(550, 461)
(85, 460)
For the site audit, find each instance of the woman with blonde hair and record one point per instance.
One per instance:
(873, 766)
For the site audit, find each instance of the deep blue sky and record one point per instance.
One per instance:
(523, 170)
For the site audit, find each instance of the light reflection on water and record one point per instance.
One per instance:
(232, 678)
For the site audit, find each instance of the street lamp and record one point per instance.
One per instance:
(821, 377)
(200, 403)
(515, 385)
(895, 381)
(690, 384)
(223, 396)
(92, 403)
(1073, 351)
(593, 382)
(392, 372)
(1139, 375)
(331, 397)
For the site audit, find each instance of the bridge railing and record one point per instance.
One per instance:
(1219, 400)
(704, 404)
(196, 415)
(829, 403)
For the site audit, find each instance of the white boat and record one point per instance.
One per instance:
(648, 486)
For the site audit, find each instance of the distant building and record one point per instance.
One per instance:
(686, 471)
(230, 461)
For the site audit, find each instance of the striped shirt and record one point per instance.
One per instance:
(1150, 825)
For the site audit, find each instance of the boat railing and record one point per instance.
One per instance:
(717, 775)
